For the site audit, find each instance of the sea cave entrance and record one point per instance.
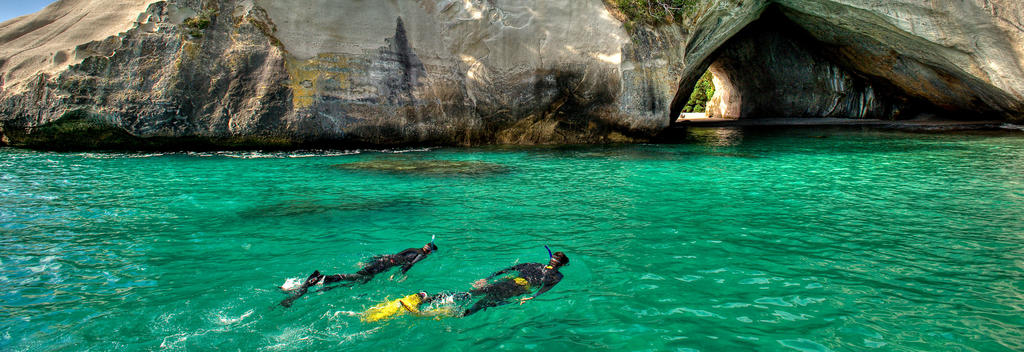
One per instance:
(792, 64)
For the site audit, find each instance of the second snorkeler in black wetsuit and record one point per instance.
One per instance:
(377, 265)
(530, 276)
(382, 263)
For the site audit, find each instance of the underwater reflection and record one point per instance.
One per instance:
(716, 137)
(427, 167)
(634, 153)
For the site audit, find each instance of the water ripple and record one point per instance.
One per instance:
(858, 241)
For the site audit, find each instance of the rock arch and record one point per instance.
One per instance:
(861, 59)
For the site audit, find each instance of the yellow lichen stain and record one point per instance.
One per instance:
(189, 51)
(308, 77)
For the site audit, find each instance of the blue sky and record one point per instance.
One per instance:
(13, 8)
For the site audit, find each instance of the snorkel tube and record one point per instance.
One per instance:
(550, 255)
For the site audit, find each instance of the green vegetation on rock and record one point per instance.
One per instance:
(702, 92)
(197, 24)
(655, 11)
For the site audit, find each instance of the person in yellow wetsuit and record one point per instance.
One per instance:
(527, 277)
(419, 304)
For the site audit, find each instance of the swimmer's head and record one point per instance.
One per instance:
(430, 248)
(558, 259)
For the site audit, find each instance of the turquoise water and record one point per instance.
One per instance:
(757, 241)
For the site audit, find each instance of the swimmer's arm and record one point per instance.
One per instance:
(543, 288)
(406, 267)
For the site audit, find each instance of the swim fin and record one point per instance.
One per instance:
(313, 279)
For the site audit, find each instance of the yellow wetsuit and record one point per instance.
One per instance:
(394, 308)
(391, 309)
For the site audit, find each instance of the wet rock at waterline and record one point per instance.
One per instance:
(427, 167)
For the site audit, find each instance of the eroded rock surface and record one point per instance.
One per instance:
(275, 73)
(262, 73)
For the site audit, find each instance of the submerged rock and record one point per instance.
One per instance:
(315, 207)
(427, 167)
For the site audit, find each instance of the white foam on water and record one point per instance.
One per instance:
(120, 155)
(291, 284)
(45, 264)
(347, 313)
(287, 338)
(324, 154)
(249, 155)
(1010, 126)
(361, 334)
(179, 338)
(403, 151)
(224, 320)
(276, 155)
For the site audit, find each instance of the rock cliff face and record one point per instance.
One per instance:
(270, 73)
(278, 73)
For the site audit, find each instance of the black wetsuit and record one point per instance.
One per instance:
(530, 276)
(380, 264)
(377, 265)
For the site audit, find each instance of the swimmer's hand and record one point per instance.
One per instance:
(480, 283)
(521, 301)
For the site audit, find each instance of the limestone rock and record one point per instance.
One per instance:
(254, 73)
(267, 73)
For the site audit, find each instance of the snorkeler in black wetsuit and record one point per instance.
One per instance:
(377, 265)
(382, 263)
(531, 275)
